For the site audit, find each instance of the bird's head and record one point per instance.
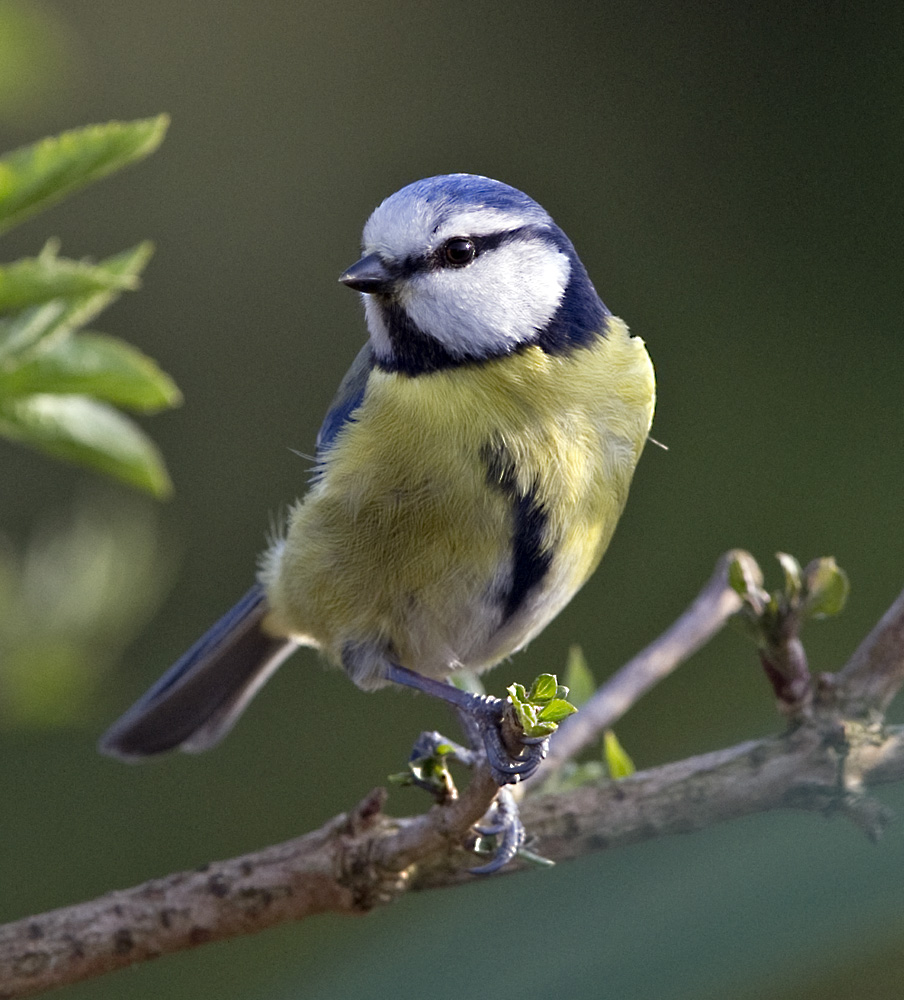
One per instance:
(460, 268)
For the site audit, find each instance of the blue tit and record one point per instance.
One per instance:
(469, 475)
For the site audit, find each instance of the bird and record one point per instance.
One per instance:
(468, 476)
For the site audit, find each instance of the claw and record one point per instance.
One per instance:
(504, 824)
(507, 770)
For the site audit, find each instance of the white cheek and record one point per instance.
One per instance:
(499, 301)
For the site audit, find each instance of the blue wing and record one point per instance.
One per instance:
(348, 398)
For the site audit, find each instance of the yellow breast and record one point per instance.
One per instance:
(405, 542)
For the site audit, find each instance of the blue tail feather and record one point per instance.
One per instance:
(198, 699)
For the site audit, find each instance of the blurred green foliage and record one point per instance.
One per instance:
(579, 678)
(36, 61)
(70, 603)
(74, 598)
(58, 384)
(618, 761)
(613, 760)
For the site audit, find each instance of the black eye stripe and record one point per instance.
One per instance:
(436, 260)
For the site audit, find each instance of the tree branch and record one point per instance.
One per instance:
(824, 762)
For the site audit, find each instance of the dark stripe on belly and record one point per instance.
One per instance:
(530, 558)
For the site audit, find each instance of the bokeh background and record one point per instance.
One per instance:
(732, 176)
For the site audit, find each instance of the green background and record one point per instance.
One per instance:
(731, 176)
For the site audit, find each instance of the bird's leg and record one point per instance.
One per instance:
(484, 717)
(503, 819)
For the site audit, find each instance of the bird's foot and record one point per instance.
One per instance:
(511, 735)
(428, 766)
(501, 832)
(496, 724)
(511, 755)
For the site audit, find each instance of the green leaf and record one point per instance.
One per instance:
(543, 689)
(528, 717)
(36, 176)
(518, 693)
(827, 588)
(93, 364)
(34, 280)
(88, 433)
(524, 710)
(540, 729)
(557, 710)
(24, 330)
(578, 677)
(540, 710)
(617, 760)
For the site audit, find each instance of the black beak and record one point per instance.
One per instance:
(368, 275)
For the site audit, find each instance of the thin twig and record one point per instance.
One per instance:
(714, 605)
(875, 673)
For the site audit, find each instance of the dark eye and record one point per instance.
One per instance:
(459, 251)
